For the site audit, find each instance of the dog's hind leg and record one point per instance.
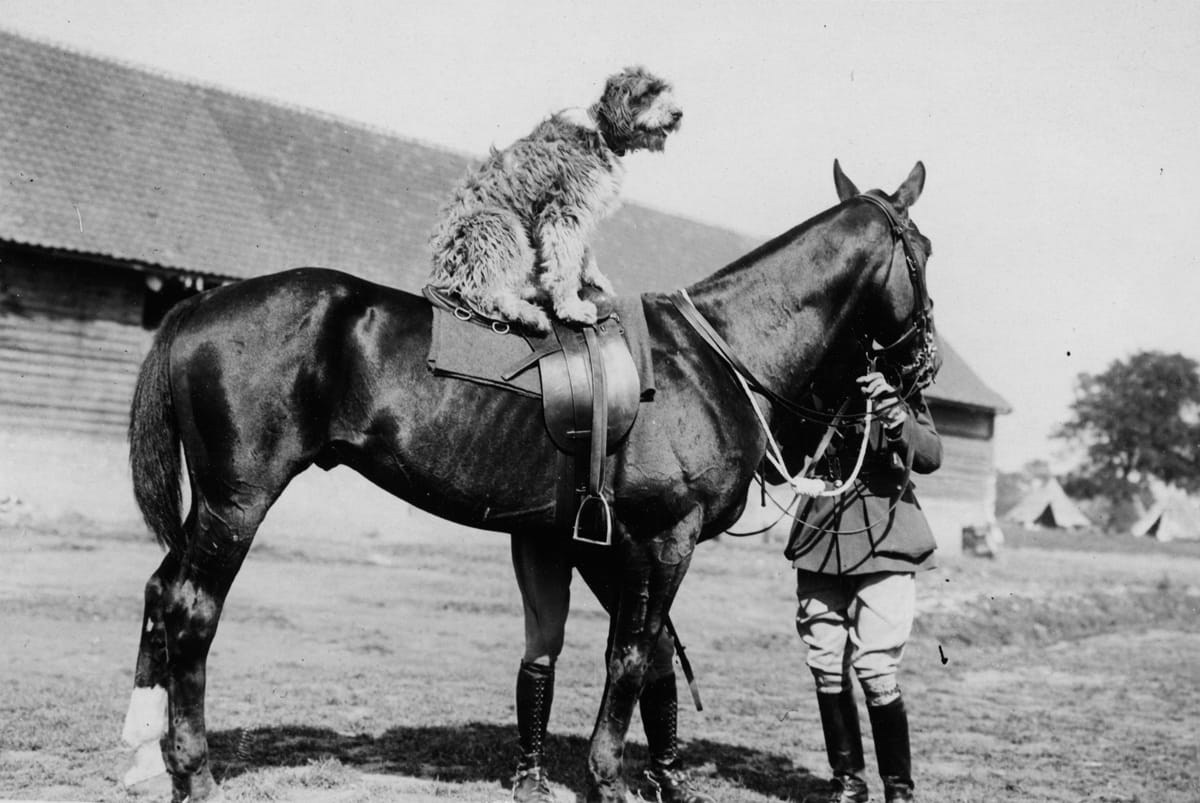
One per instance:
(511, 307)
(490, 263)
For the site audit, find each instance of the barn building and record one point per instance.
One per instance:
(124, 191)
(962, 492)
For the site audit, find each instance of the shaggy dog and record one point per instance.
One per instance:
(516, 231)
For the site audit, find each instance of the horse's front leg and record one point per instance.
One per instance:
(648, 574)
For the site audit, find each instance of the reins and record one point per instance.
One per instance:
(801, 484)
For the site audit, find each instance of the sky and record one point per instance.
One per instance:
(1061, 140)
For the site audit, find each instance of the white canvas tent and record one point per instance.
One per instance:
(1173, 516)
(1048, 505)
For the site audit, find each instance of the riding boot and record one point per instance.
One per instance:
(535, 693)
(843, 746)
(668, 782)
(889, 724)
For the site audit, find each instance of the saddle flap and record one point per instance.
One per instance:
(567, 387)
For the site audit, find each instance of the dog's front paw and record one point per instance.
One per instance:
(576, 310)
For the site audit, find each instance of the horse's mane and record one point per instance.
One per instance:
(770, 247)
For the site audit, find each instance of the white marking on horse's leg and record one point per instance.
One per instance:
(147, 764)
(146, 719)
(145, 724)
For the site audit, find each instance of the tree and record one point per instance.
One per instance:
(1136, 420)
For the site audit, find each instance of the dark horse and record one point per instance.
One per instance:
(261, 379)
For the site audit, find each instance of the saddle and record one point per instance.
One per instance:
(590, 391)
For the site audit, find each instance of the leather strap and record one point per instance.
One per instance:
(693, 316)
(598, 442)
(684, 663)
(826, 439)
(597, 447)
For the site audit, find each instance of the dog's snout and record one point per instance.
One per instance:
(676, 115)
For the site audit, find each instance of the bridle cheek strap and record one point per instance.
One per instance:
(924, 367)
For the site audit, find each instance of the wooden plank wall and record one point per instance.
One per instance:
(71, 343)
(967, 471)
(963, 491)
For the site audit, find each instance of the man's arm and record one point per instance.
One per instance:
(915, 434)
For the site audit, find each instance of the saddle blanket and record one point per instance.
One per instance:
(465, 350)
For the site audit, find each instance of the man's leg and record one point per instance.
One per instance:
(883, 622)
(543, 574)
(822, 620)
(659, 706)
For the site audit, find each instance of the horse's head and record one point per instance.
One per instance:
(896, 318)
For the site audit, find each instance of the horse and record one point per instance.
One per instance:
(258, 380)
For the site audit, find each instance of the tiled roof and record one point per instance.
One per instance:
(108, 160)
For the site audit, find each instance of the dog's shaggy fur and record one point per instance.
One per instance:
(515, 234)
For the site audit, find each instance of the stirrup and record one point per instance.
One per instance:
(604, 506)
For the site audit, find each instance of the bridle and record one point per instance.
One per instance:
(920, 372)
(914, 375)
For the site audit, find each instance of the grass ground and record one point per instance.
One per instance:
(382, 669)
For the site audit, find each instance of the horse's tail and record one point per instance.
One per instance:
(154, 439)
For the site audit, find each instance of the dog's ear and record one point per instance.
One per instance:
(613, 109)
(638, 81)
(845, 187)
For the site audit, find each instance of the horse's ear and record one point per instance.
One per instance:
(845, 187)
(910, 190)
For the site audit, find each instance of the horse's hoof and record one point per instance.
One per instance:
(197, 787)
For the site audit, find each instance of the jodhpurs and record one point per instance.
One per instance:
(855, 621)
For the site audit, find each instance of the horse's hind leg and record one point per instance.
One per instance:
(191, 601)
(146, 719)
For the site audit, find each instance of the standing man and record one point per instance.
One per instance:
(855, 557)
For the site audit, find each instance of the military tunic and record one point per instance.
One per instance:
(877, 525)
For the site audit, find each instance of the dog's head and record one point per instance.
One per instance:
(636, 111)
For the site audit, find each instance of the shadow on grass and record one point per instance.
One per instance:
(488, 753)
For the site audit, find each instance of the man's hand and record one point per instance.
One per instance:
(890, 408)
